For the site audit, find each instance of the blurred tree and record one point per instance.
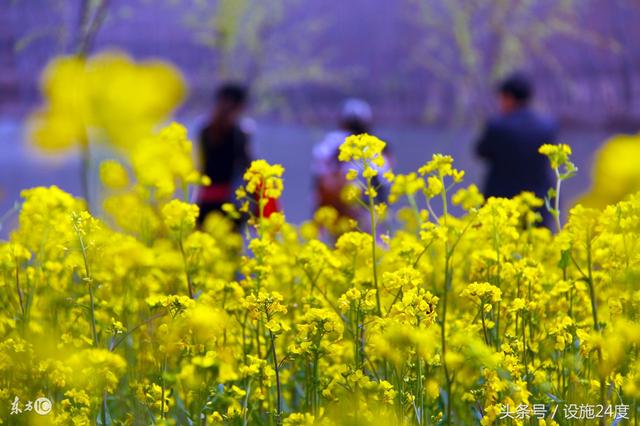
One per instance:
(91, 16)
(303, 56)
(468, 44)
(75, 35)
(621, 18)
(247, 35)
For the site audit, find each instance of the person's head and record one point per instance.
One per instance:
(356, 116)
(230, 100)
(514, 92)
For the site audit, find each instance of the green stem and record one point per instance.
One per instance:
(596, 323)
(484, 325)
(85, 168)
(186, 268)
(443, 340)
(447, 287)
(89, 280)
(103, 413)
(557, 200)
(276, 367)
(524, 347)
(245, 406)
(19, 290)
(414, 207)
(419, 384)
(374, 237)
(314, 397)
(592, 290)
(94, 334)
(162, 394)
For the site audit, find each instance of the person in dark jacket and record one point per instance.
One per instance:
(509, 144)
(224, 147)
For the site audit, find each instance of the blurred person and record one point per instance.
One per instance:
(510, 141)
(329, 173)
(328, 177)
(224, 146)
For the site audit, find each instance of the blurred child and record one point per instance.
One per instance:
(329, 173)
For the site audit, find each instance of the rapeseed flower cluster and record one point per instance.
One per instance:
(614, 174)
(109, 93)
(141, 317)
(447, 322)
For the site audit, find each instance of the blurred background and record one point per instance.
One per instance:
(428, 69)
